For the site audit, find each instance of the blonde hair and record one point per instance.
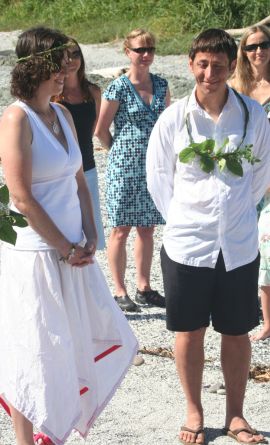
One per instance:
(242, 79)
(147, 38)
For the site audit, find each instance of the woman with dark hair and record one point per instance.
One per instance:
(252, 77)
(56, 310)
(133, 102)
(82, 99)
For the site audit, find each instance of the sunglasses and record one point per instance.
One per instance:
(74, 54)
(255, 46)
(144, 49)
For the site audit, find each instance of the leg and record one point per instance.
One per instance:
(117, 257)
(265, 299)
(143, 250)
(189, 355)
(23, 428)
(235, 361)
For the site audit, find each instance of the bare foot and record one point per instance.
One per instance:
(245, 437)
(261, 335)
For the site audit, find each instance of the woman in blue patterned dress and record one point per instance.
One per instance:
(252, 77)
(133, 102)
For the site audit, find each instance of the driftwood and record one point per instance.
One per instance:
(238, 32)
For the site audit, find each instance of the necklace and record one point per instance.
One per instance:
(55, 127)
(53, 124)
(208, 156)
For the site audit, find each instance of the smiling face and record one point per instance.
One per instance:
(74, 59)
(211, 71)
(142, 59)
(55, 84)
(258, 57)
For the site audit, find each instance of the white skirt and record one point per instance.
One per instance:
(65, 345)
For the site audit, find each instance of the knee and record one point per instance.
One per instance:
(192, 337)
(145, 232)
(120, 234)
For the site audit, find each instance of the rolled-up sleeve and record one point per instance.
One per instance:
(160, 164)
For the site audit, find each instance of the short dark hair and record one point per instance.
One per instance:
(214, 40)
(33, 68)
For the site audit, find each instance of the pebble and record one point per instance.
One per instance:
(138, 360)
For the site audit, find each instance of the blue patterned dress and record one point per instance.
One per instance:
(127, 198)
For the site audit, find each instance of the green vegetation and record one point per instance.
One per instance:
(93, 21)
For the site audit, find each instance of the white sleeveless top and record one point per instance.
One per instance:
(54, 183)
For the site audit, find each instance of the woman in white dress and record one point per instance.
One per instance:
(67, 345)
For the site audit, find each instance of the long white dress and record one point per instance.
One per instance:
(65, 345)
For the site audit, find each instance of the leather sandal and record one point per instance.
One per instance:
(195, 432)
(152, 297)
(126, 304)
(233, 434)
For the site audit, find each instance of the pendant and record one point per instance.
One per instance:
(55, 128)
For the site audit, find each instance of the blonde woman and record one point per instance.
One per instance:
(252, 77)
(133, 102)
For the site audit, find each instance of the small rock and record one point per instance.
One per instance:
(221, 391)
(213, 389)
(138, 360)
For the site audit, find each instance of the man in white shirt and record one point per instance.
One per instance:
(208, 198)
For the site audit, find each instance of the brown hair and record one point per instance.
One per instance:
(83, 81)
(243, 78)
(36, 62)
(214, 40)
(147, 38)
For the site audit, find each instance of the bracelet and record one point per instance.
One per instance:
(71, 252)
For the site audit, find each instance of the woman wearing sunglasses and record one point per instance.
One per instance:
(82, 99)
(252, 77)
(133, 101)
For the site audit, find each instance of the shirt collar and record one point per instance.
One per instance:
(232, 103)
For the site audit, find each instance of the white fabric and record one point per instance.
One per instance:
(206, 212)
(54, 184)
(54, 321)
(61, 330)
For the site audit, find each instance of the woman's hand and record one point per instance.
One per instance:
(81, 256)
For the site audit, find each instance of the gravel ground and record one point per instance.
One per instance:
(149, 408)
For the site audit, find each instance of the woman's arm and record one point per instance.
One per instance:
(108, 110)
(16, 155)
(88, 221)
(96, 94)
(16, 158)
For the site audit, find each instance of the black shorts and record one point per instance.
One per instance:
(194, 295)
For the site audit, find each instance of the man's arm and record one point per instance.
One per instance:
(160, 165)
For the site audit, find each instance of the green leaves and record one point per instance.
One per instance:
(7, 233)
(4, 195)
(207, 164)
(9, 218)
(187, 155)
(208, 157)
(234, 166)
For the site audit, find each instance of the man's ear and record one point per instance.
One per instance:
(190, 64)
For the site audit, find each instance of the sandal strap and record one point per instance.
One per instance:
(244, 430)
(190, 430)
